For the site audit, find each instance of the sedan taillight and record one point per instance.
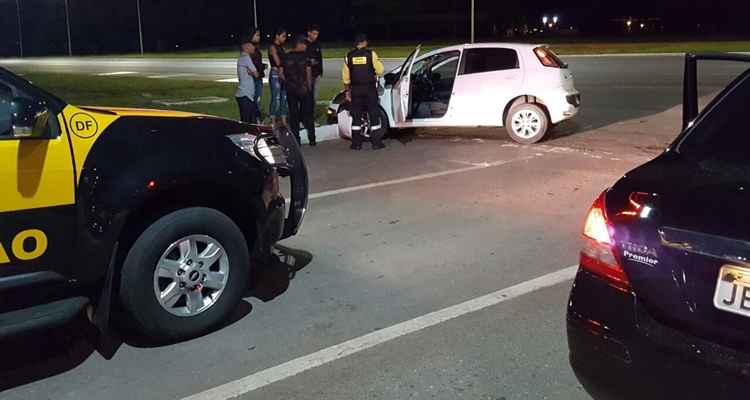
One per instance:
(598, 254)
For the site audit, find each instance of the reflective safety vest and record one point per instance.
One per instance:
(361, 69)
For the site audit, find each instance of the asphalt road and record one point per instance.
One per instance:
(438, 218)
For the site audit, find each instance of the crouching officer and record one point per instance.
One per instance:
(360, 75)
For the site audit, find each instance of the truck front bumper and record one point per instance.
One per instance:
(283, 218)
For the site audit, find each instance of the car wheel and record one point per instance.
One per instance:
(184, 275)
(384, 126)
(345, 123)
(526, 123)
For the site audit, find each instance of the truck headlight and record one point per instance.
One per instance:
(271, 153)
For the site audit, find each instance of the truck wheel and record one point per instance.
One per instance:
(526, 123)
(185, 274)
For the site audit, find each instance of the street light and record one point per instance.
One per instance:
(140, 25)
(544, 20)
(67, 24)
(20, 34)
(472, 22)
(554, 19)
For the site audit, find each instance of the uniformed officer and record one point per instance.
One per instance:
(360, 75)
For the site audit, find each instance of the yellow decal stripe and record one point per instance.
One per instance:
(36, 173)
(85, 127)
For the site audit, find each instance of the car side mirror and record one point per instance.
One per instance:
(390, 79)
(30, 120)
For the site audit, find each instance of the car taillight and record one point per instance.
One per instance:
(598, 253)
(547, 58)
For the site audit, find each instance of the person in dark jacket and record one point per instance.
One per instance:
(315, 53)
(257, 58)
(360, 75)
(298, 82)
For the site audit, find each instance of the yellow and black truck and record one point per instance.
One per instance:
(158, 215)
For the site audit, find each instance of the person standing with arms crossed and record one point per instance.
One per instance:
(246, 76)
(276, 54)
(299, 85)
(315, 54)
(257, 58)
(360, 75)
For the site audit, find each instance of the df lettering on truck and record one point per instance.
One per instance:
(154, 219)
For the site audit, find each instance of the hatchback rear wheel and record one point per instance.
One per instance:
(527, 123)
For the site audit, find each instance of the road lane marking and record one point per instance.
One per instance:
(116, 73)
(420, 177)
(235, 80)
(294, 367)
(197, 100)
(166, 76)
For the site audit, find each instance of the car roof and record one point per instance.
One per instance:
(505, 45)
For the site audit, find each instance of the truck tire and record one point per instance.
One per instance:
(527, 123)
(184, 275)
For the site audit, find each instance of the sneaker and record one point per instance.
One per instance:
(356, 146)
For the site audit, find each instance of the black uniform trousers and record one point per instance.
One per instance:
(248, 110)
(365, 102)
(301, 108)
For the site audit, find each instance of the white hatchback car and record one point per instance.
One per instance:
(525, 88)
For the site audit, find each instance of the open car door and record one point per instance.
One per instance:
(400, 91)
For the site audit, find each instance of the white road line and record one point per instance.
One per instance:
(291, 368)
(420, 177)
(235, 80)
(116, 73)
(165, 76)
(197, 100)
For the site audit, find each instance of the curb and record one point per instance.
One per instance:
(322, 133)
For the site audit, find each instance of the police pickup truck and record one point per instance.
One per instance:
(157, 215)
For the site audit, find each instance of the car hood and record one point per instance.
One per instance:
(139, 112)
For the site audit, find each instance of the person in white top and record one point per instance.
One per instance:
(246, 76)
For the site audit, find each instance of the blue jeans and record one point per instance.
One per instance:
(279, 106)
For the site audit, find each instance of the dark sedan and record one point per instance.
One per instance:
(660, 307)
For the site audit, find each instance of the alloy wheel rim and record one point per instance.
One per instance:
(191, 275)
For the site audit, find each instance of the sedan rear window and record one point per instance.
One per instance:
(489, 59)
(722, 135)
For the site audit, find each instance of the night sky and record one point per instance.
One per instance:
(101, 27)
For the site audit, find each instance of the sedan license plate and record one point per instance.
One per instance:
(733, 290)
